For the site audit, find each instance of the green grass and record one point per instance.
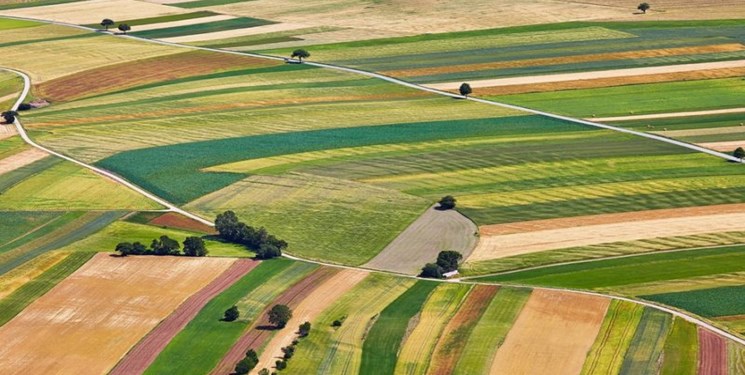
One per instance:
(681, 349)
(20, 224)
(646, 347)
(711, 302)
(201, 28)
(253, 303)
(206, 338)
(161, 19)
(15, 302)
(607, 353)
(380, 348)
(490, 331)
(18, 175)
(9, 24)
(122, 231)
(632, 270)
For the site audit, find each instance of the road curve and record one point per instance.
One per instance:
(174, 208)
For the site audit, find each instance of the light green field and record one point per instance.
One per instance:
(11, 146)
(614, 338)
(67, 186)
(330, 350)
(121, 231)
(321, 218)
(253, 303)
(490, 331)
(419, 344)
(681, 349)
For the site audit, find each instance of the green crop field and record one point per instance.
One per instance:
(251, 304)
(208, 338)
(615, 336)
(380, 349)
(17, 225)
(15, 302)
(647, 346)
(712, 302)
(681, 349)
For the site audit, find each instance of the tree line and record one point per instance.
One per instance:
(193, 247)
(265, 245)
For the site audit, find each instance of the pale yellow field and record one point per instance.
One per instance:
(7, 131)
(19, 276)
(21, 159)
(726, 146)
(312, 305)
(93, 11)
(552, 335)
(91, 319)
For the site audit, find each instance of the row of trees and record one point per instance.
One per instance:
(278, 315)
(193, 247)
(447, 261)
(231, 229)
(123, 27)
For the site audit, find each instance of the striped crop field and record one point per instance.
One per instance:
(681, 349)
(16, 278)
(202, 28)
(646, 348)
(614, 338)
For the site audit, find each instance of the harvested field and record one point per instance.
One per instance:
(115, 298)
(607, 353)
(90, 11)
(157, 69)
(723, 146)
(646, 348)
(258, 335)
(311, 306)
(617, 73)
(426, 328)
(21, 159)
(712, 353)
(553, 334)
(7, 131)
(450, 346)
(178, 221)
(420, 243)
(499, 246)
(140, 357)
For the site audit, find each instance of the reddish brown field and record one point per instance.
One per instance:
(451, 344)
(144, 353)
(257, 335)
(178, 221)
(712, 353)
(157, 69)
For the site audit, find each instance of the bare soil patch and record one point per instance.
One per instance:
(109, 297)
(21, 159)
(712, 353)
(178, 221)
(552, 335)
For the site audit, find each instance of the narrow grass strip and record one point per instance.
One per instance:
(614, 338)
(14, 303)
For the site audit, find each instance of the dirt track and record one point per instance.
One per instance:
(712, 353)
(258, 334)
(144, 353)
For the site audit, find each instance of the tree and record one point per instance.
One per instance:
(279, 315)
(280, 364)
(165, 246)
(304, 329)
(448, 260)
(245, 365)
(226, 224)
(106, 23)
(194, 247)
(465, 89)
(124, 248)
(739, 153)
(447, 202)
(267, 251)
(138, 248)
(300, 54)
(231, 314)
(644, 7)
(9, 116)
(123, 27)
(251, 354)
(432, 271)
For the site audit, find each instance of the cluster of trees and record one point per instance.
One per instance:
(447, 261)
(9, 116)
(248, 363)
(123, 27)
(193, 247)
(231, 229)
(447, 203)
(279, 315)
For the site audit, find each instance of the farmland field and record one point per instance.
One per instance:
(614, 339)
(646, 347)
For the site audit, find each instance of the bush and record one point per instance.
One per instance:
(24, 107)
(338, 322)
(304, 329)
(231, 314)
(288, 351)
(280, 364)
(447, 202)
(244, 366)
(264, 371)
(432, 271)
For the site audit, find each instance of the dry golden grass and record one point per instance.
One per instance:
(92, 11)
(21, 159)
(91, 319)
(19, 276)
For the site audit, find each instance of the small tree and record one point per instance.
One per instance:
(304, 329)
(465, 89)
(245, 365)
(432, 271)
(106, 23)
(288, 351)
(447, 202)
(194, 247)
(279, 315)
(264, 371)
(231, 314)
(739, 153)
(300, 54)
(644, 7)
(124, 248)
(251, 355)
(9, 116)
(280, 364)
(448, 260)
(123, 27)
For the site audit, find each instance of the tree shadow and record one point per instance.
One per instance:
(267, 327)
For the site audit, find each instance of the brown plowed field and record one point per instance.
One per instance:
(451, 344)
(258, 334)
(21, 159)
(178, 221)
(590, 83)
(90, 320)
(144, 353)
(129, 74)
(712, 353)
(552, 335)
(731, 47)
(579, 221)
(313, 305)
